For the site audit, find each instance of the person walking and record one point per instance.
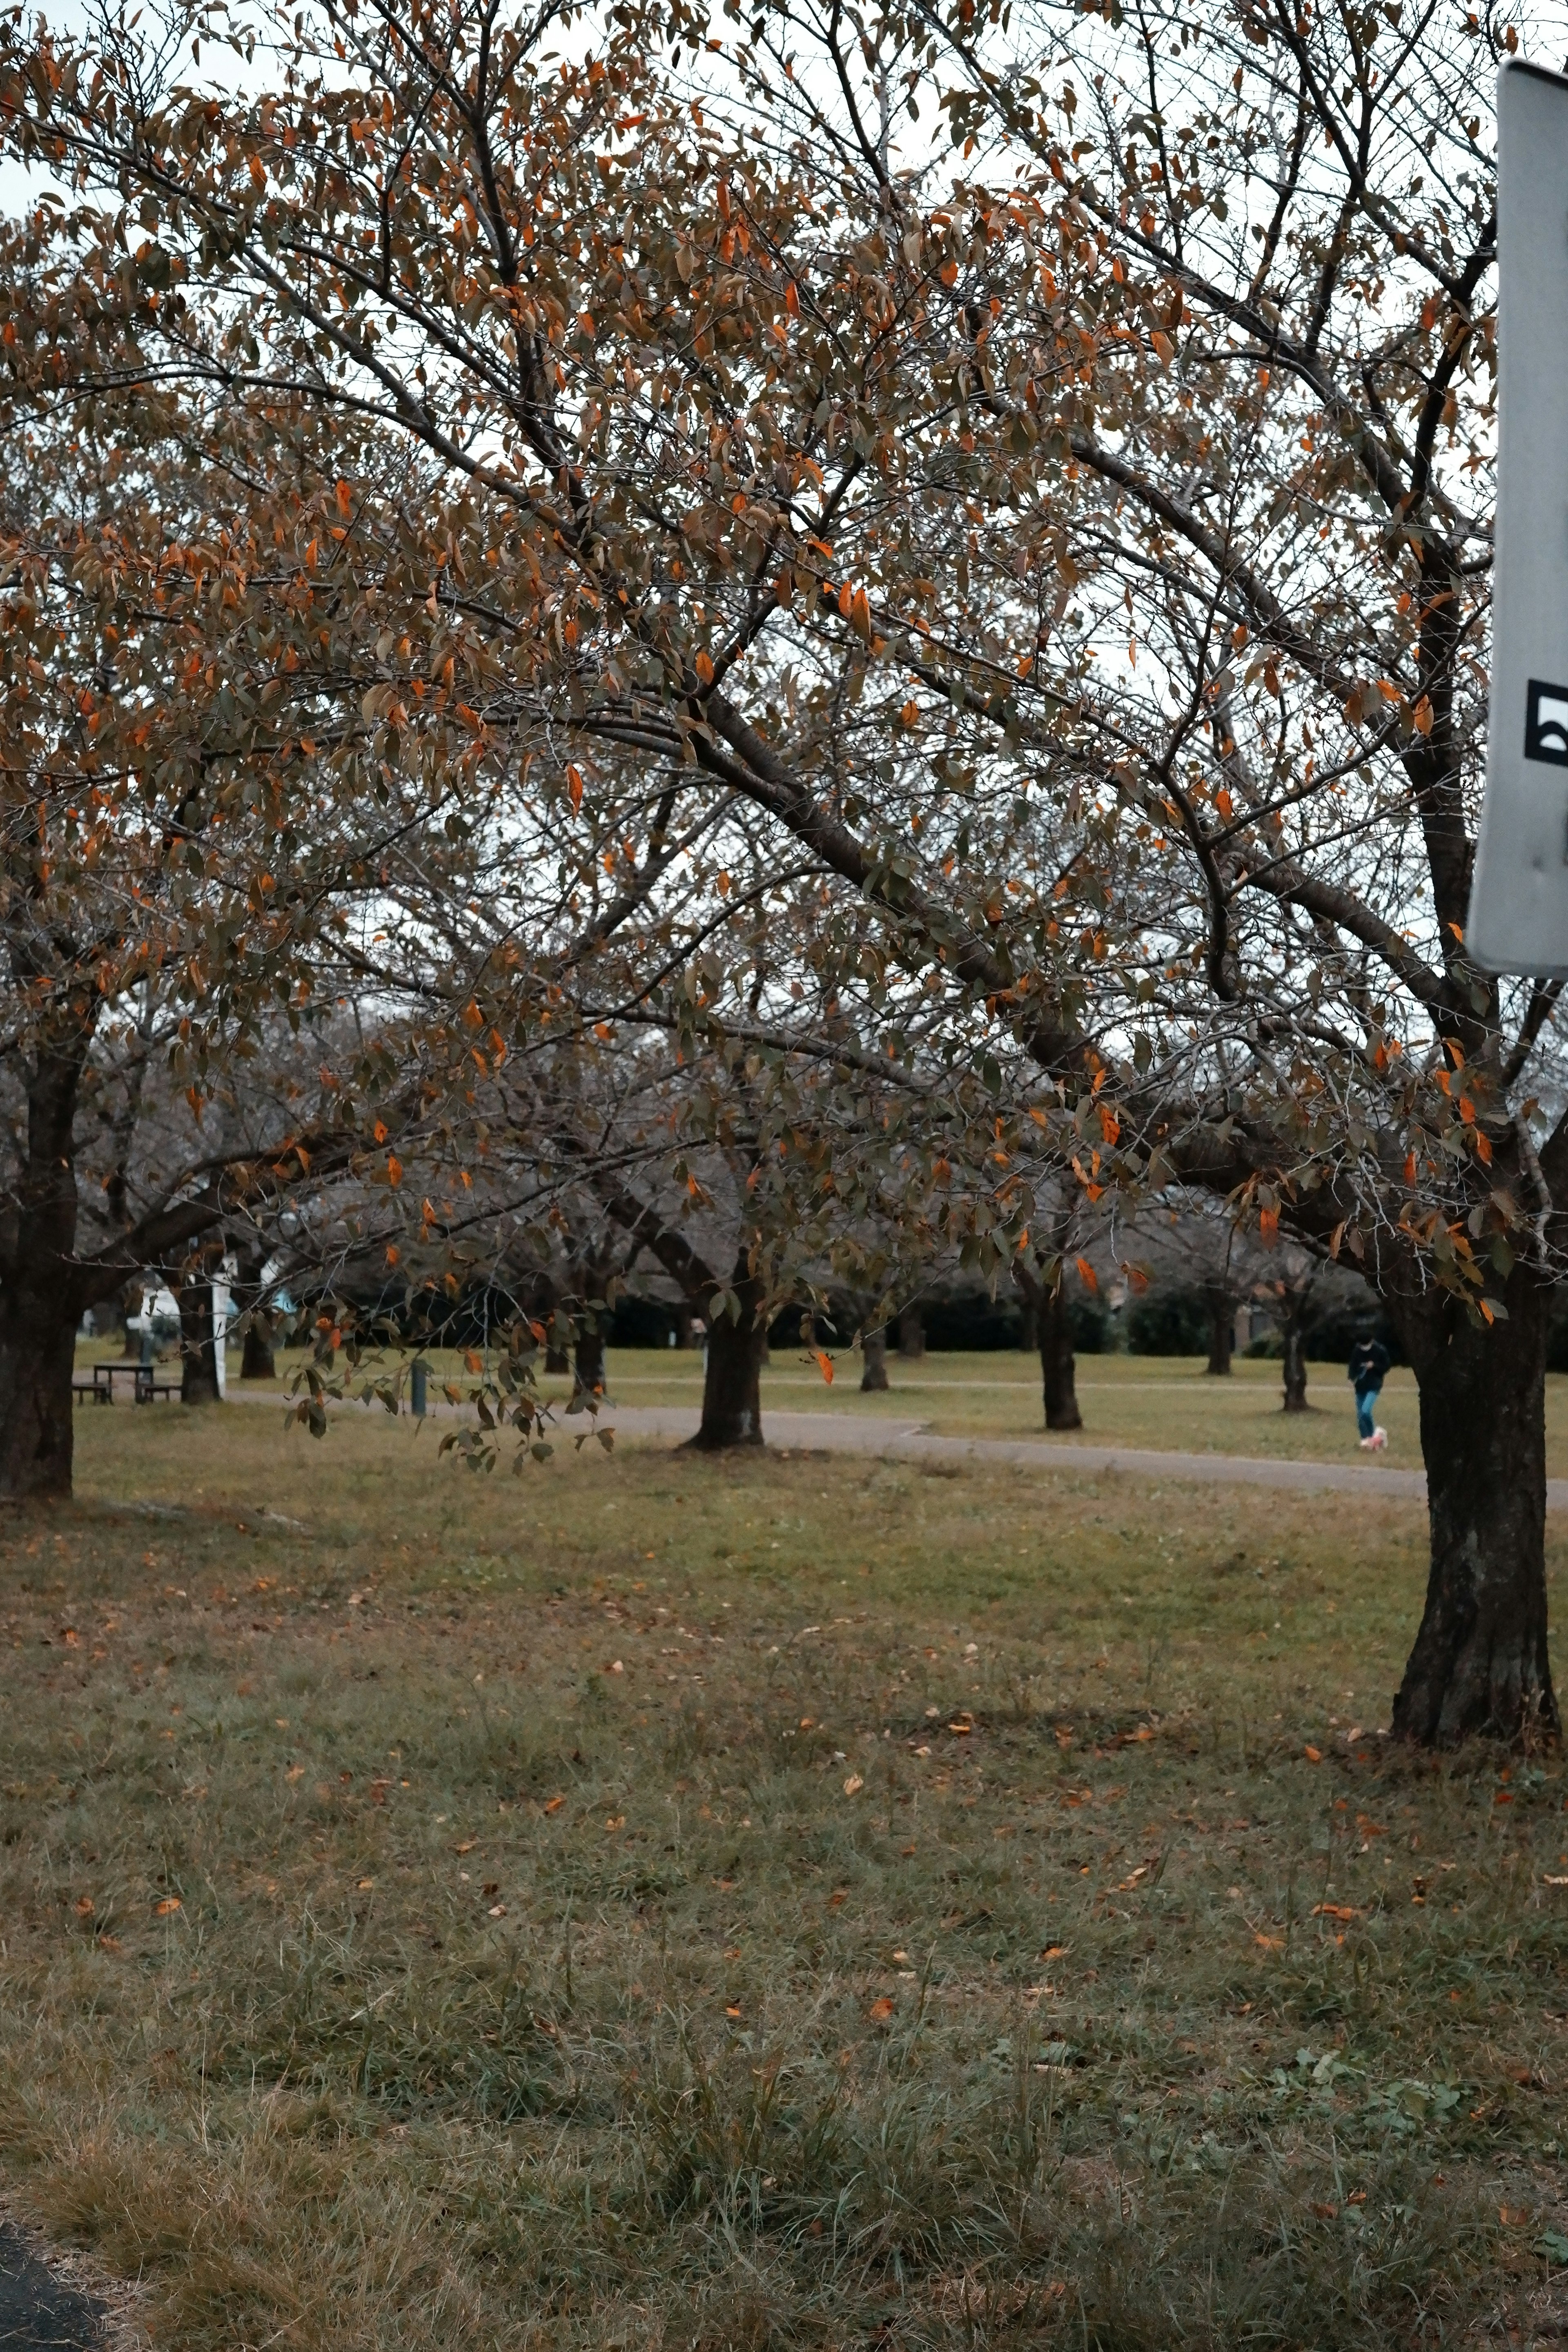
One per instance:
(1367, 1370)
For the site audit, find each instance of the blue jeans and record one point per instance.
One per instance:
(1365, 1407)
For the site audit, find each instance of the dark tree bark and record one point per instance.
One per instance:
(40, 1301)
(1221, 1313)
(258, 1362)
(911, 1334)
(1028, 1327)
(874, 1349)
(1293, 1313)
(1059, 1368)
(557, 1356)
(199, 1343)
(731, 1387)
(681, 1315)
(588, 1357)
(1480, 1665)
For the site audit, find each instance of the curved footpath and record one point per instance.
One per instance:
(911, 1440)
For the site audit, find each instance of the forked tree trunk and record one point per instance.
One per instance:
(1480, 1665)
(911, 1334)
(1058, 1370)
(732, 1385)
(1221, 1314)
(39, 1304)
(874, 1349)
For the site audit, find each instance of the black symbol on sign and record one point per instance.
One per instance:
(1546, 724)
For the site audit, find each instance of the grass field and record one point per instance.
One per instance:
(729, 1906)
(1167, 1403)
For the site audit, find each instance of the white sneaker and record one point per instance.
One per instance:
(1366, 1444)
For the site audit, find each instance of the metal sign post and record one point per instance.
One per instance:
(1518, 903)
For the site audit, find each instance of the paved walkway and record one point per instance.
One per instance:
(911, 1440)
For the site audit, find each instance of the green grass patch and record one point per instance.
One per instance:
(668, 1903)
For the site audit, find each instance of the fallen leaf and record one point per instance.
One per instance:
(467, 1847)
(616, 1667)
(1314, 1755)
(1268, 1943)
(365, 1885)
(84, 1907)
(1326, 2212)
(882, 2008)
(1056, 1951)
(1512, 2217)
(554, 1804)
(295, 1773)
(733, 2009)
(853, 1786)
(1335, 1911)
(170, 1903)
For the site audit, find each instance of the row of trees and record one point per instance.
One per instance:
(847, 645)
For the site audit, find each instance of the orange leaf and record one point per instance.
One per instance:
(882, 2008)
(170, 1903)
(1314, 1755)
(1087, 1274)
(394, 1169)
(792, 299)
(345, 498)
(574, 786)
(823, 1365)
(379, 1130)
(704, 669)
(554, 1804)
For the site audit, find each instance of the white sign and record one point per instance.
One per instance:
(1518, 904)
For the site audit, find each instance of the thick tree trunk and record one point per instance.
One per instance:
(1221, 1315)
(588, 1358)
(39, 1300)
(911, 1334)
(732, 1385)
(37, 1357)
(258, 1363)
(1058, 1368)
(682, 1319)
(199, 1343)
(1028, 1327)
(874, 1349)
(1480, 1665)
(1292, 1310)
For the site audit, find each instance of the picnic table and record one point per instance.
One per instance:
(145, 1385)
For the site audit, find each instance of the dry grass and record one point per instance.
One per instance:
(794, 1902)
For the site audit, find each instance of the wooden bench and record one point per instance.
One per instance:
(145, 1385)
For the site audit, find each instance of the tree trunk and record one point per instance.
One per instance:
(732, 1385)
(39, 1300)
(1221, 1314)
(911, 1334)
(1058, 1368)
(557, 1358)
(682, 1319)
(588, 1358)
(874, 1348)
(130, 1303)
(1292, 1308)
(37, 1357)
(1028, 1327)
(1480, 1665)
(257, 1362)
(199, 1343)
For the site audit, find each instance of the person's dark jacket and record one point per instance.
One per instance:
(1368, 1365)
